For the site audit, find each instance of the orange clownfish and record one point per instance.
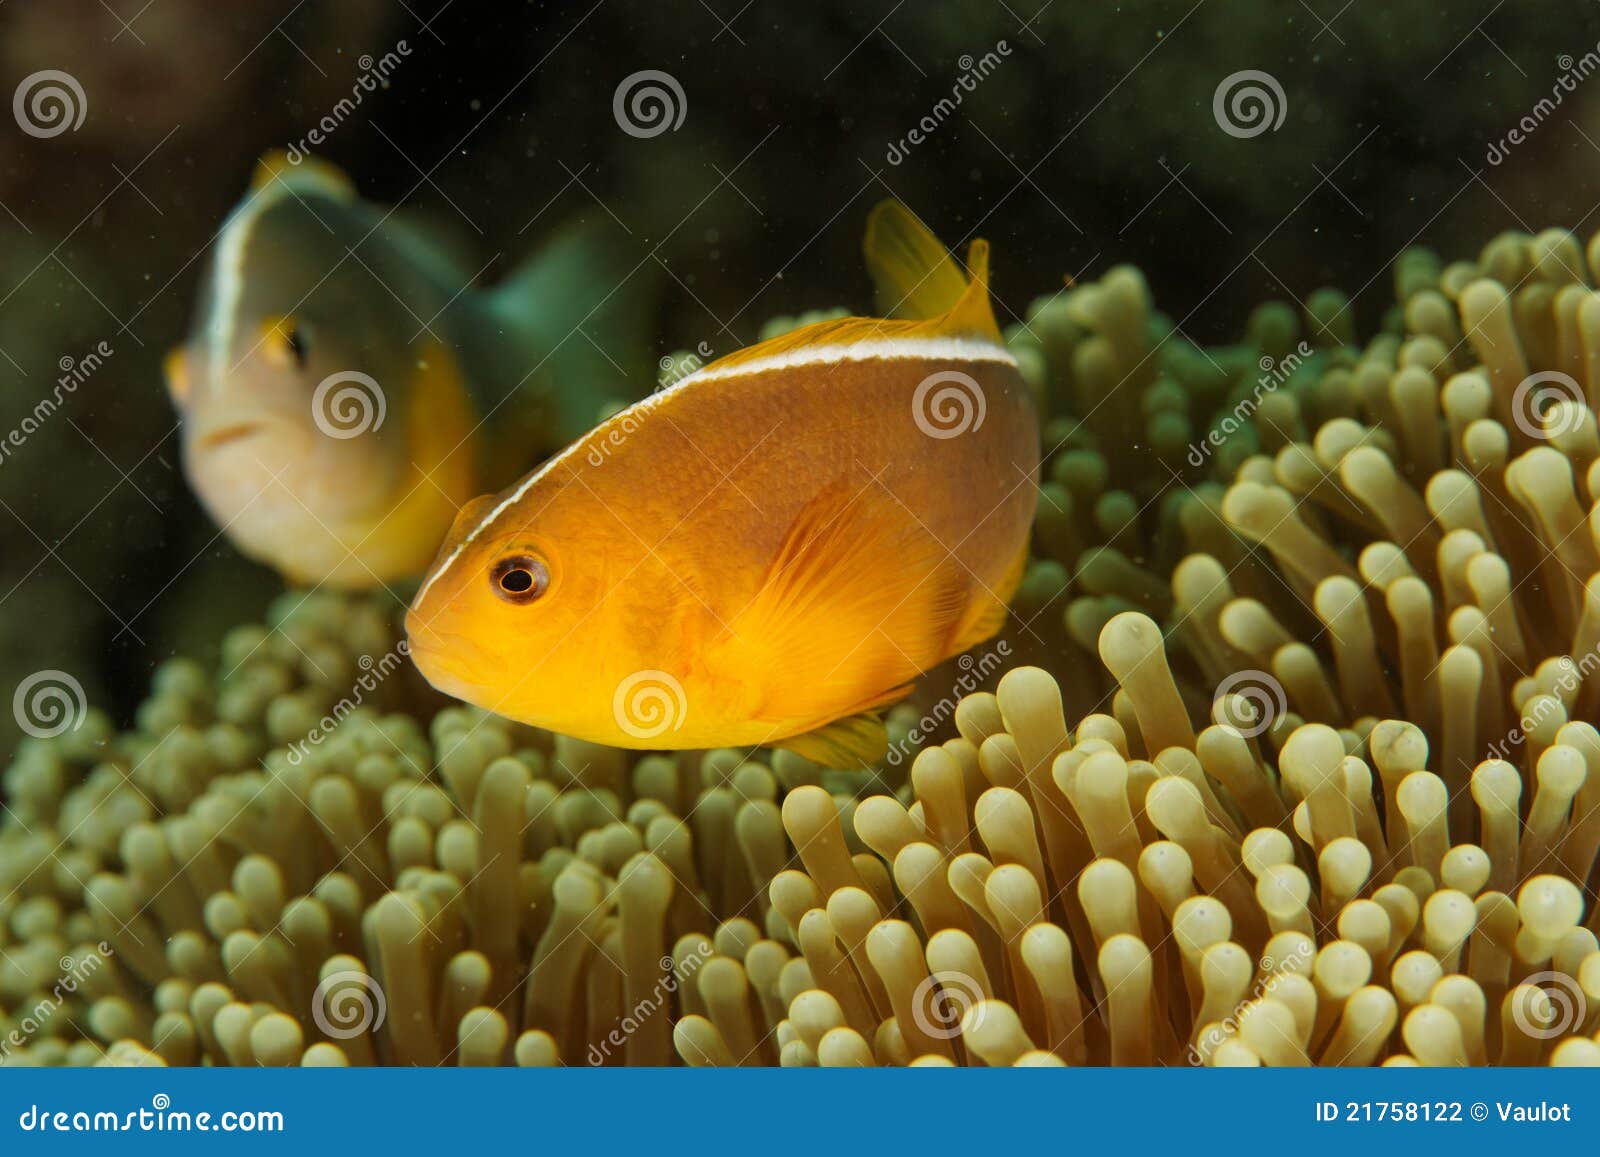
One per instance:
(770, 550)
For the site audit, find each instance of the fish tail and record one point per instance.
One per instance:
(918, 278)
(579, 316)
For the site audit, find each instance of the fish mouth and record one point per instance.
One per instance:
(233, 432)
(440, 655)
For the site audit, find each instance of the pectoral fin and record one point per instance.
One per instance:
(859, 600)
(443, 422)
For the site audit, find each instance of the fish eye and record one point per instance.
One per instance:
(285, 343)
(519, 578)
(295, 339)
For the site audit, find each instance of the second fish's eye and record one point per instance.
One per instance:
(284, 343)
(520, 578)
(295, 339)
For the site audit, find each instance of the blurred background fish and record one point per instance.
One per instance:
(339, 406)
(771, 550)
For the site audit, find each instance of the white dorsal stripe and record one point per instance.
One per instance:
(228, 273)
(955, 349)
(228, 262)
(949, 349)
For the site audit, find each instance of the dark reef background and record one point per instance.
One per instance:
(1093, 142)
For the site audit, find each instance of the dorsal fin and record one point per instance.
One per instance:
(468, 519)
(917, 278)
(921, 287)
(279, 165)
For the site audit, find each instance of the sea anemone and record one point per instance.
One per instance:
(1377, 590)
(272, 869)
(1149, 895)
(1140, 425)
(1036, 896)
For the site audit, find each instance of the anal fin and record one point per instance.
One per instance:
(848, 743)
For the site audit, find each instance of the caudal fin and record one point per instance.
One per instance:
(580, 317)
(917, 278)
